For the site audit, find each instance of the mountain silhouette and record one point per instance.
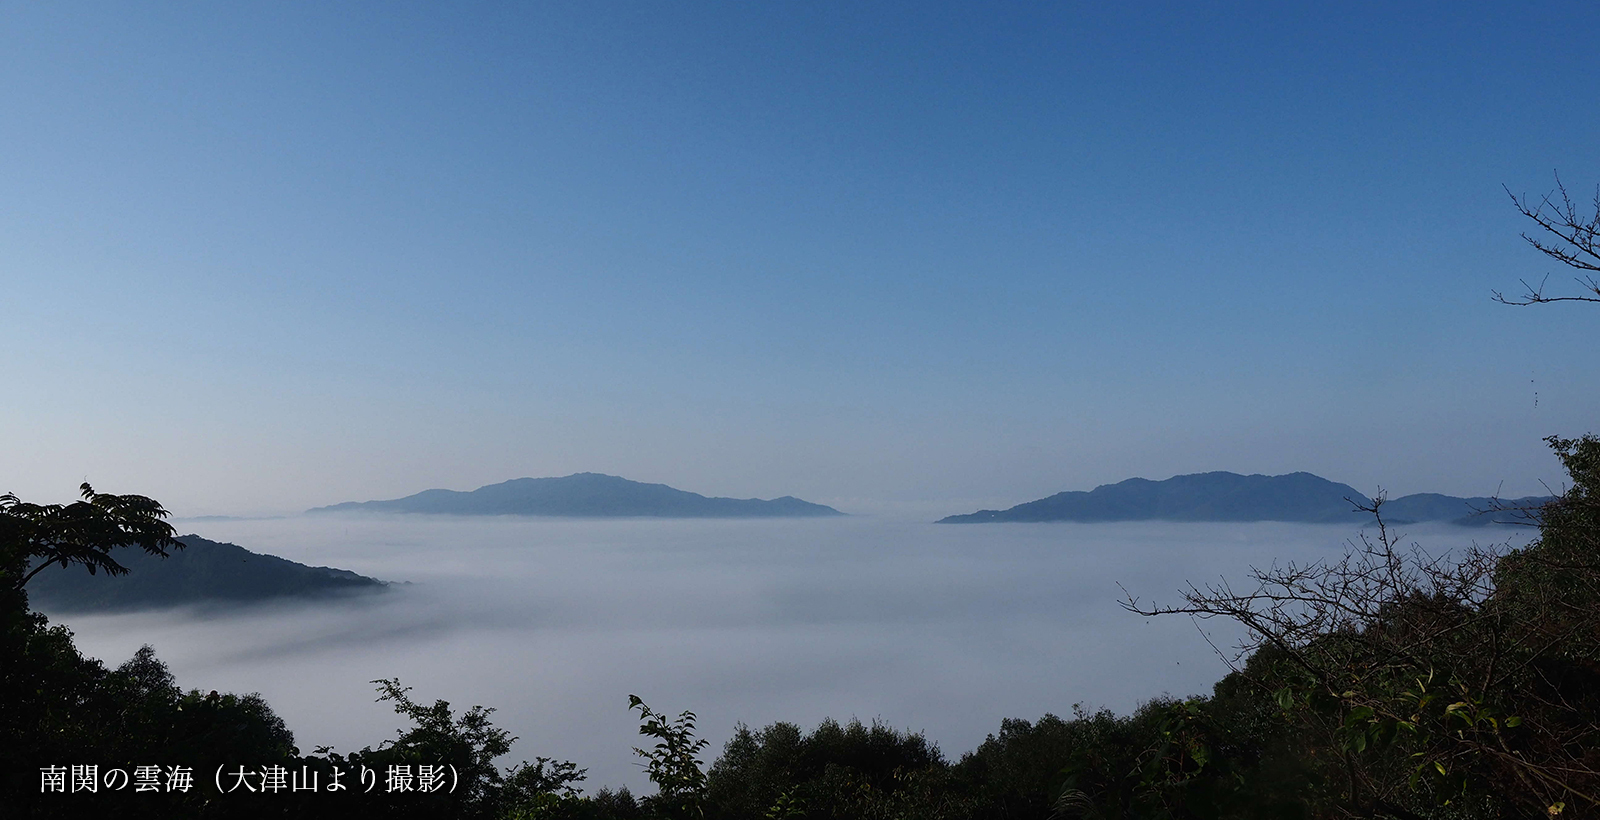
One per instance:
(202, 572)
(589, 495)
(1224, 496)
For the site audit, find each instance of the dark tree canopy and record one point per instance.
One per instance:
(1425, 682)
(34, 536)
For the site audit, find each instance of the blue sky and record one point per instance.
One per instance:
(264, 257)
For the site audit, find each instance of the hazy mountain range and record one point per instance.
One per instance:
(208, 571)
(1223, 496)
(587, 495)
(203, 571)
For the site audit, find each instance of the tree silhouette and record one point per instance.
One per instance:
(34, 536)
(1564, 235)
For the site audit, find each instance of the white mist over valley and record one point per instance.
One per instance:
(944, 630)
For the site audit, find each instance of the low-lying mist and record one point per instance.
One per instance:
(940, 629)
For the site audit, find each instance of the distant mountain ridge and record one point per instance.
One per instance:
(203, 571)
(1225, 496)
(586, 495)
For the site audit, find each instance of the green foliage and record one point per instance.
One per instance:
(673, 763)
(469, 742)
(34, 536)
(545, 776)
(837, 770)
(1203, 757)
(1414, 686)
(1020, 769)
(58, 707)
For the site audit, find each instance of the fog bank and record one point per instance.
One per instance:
(554, 622)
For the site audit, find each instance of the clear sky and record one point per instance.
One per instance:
(261, 257)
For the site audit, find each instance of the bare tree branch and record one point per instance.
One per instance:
(1576, 244)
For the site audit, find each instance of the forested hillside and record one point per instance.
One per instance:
(199, 571)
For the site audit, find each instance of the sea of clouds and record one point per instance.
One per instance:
(941, 629)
